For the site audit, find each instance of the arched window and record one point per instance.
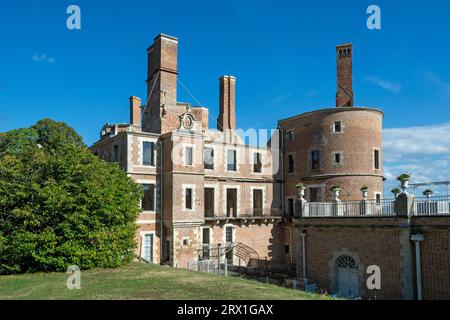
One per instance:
(346, 262)
(349, 52)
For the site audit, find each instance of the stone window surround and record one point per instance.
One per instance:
(253, 152)
(214, 157)
(379, 158)
(148, 181)
(211, 235)
(238, 198)
(141, 141)
(224, 233)
(183, 196)
(184, 146)
(263, 189)
(341, 163)
(188, 242)
(377, 193)
(214, 186)
(226, 159)
(333, 127)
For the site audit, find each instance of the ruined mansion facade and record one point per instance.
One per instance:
(204, 187)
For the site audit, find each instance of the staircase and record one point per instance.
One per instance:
(240, 250)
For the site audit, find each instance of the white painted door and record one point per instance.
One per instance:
(348, 284)
(148, 247)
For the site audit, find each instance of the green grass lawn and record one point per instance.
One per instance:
(143, 281)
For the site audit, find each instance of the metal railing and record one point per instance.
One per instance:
(384, 207)
(432, 206)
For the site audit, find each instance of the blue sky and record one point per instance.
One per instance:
(282, 53)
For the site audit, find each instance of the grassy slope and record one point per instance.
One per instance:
(142, 281)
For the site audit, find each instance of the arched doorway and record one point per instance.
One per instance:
(347, 277)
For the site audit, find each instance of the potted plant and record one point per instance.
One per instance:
(396, 192)
(427, 193)
(301, 189)
(335, 189)
(365, 192)
(404, 181)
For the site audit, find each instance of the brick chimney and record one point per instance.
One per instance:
(344, 95)
(161, 113)
(135, 111)
(227, 115)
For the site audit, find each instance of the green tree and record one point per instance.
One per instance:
(60, 205)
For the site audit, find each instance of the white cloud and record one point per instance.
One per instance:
(43, 58)
(281, 98)
(441, 85)
(423, 151)
(385, 84)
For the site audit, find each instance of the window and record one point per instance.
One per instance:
(208, 158)
(290, 163)
(376, 159)
(313, 194)
(188, 155)
(188, 199)
(340, 53)
(148, 153)
(115, 155)
(378, 198)
(148, 203)
(337, 158)
(257, 202)
(185, 241)
(315, 160)
(286, 249)
(257, 165)
(349, 52)
(337, 128)
(231, 203)
(209, 202)
(231, 160)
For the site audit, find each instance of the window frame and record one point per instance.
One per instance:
(235, 160)
(313, 162)
(258, 155)
(154, 197)
(152, 153)
(213, 158)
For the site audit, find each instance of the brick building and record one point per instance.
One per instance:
(205, 188)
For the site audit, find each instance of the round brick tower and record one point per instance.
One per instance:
(334, 147)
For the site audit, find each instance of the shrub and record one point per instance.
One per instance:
(60, 204)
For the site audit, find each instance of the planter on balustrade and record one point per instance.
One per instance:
(404, 182)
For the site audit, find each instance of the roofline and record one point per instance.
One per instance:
(332, 110)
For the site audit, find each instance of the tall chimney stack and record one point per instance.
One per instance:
(344, 95)
(227, 114)
(135, 111)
